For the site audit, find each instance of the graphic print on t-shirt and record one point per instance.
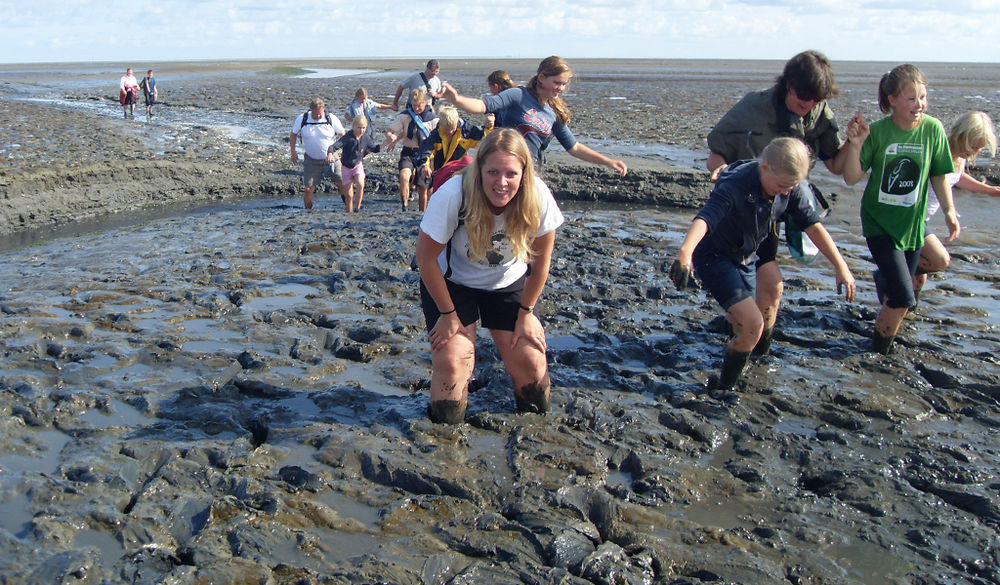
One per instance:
(496, 254)
(534, 122)
(901, 174)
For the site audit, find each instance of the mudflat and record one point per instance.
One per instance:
(236, 392)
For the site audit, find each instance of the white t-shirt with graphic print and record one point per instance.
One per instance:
(500, 268)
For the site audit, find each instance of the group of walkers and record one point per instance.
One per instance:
(128, 93)
(474, 266)
(487, 235)
(732, 241)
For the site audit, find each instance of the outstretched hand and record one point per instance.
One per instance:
(680, 274)
(448, 93)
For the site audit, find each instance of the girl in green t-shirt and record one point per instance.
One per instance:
(905, 151)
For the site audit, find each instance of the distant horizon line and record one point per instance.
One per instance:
(454, 58)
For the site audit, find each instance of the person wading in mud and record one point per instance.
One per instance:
(794, 106)
(537, 111)
(318, 129)
(477, 237)
(724, 247)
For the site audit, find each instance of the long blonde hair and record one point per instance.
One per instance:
(550, 67)
(522, 215)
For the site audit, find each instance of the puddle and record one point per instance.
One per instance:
(50, 443)
(329, 73)
(15, 516)
(280, 297)
(111, 550)
(349, 508)
(122, 415)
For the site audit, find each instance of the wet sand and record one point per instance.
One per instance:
(238, 393)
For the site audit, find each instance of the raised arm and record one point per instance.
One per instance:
(857, 132)
(471, 105)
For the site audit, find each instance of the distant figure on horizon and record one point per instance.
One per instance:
(427, 80)
(724, 247)
(319, 129)
(148, 87)
(362, 105)
(128, 93)
(538, 112)
(354, 145)
(411, 127)
(906, 151)
(971, 133)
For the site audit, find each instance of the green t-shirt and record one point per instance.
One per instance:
(901, 163)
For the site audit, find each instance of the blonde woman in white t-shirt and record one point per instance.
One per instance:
(484, 251)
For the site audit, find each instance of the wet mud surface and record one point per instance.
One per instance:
(237, 394)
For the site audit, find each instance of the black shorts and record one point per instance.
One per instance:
(898, 268)
(408, 160)
(496, 309)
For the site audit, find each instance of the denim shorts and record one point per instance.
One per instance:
(497, 309)
(728, 281)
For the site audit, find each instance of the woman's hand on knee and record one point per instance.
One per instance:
(530, 329)
(445, 328)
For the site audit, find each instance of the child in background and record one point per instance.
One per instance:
(499, 81)
(969, 135)
(364, 106)
(355, 144)
(905, 152)
(450, 141)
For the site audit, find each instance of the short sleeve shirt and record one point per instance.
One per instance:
(317, 135)
(500, 268)
(901, 163)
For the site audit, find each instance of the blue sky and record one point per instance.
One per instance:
(167, 30)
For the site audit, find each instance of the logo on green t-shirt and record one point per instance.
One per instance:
(901, 175)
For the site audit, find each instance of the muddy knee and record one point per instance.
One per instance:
(532, 397)
(450, 412)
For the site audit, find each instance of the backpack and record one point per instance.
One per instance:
(305, 120)
(461, 222)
